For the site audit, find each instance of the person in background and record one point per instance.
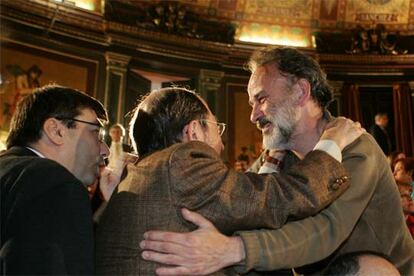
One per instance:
(289, 96)
(379, 132)
(243, 160)
(54, 151)
(408, 209)
(394, 156)
(404, 172)
(117, 147)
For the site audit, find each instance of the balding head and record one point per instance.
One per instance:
(362, 264)
(375, 265)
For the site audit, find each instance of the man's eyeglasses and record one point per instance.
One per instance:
(101, 134)
(220, 126)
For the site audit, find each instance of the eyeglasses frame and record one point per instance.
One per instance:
(221, 126)
(99, 124)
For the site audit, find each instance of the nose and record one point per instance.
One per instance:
(256, 113)
(104, 149)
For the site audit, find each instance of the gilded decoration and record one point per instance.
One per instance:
(379, 11)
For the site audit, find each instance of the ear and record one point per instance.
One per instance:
(54, 130)
(191, 131)
(304, 90)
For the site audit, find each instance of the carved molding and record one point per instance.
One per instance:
(170, 17)
(211, 78)
(117, 61)
(336, 87)
(367, 59)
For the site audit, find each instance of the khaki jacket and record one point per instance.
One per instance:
(368, 216)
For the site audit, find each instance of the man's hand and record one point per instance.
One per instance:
(111, 176)
(200, 252)
(108, 181)
(342, 131)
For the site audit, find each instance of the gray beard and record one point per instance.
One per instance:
(284, 123)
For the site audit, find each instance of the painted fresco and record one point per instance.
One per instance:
(21, 72)
(328, 10)
(294, 21)
(378, 11)
(273, 11)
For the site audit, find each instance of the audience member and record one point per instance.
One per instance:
(178, 139)
(362, 264)
(404, 171)
(408, 209)
(379, 131)
(393, 156)
(289, 95)
(54, 150)
(117, 148)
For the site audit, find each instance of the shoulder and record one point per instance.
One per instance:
(365, 144)
(34, 174)
(364, 154)
(193, 150)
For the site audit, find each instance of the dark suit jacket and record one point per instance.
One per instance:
(382, 138)
(46, 221)
(192, 175)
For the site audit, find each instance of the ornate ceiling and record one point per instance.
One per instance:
(293, 22)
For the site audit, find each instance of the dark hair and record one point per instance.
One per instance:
(295, 65)
(408, 164)
(348, 263)
(47, 102)
(160, 118)
(392, 157)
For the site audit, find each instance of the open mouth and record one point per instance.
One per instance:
(264, 125)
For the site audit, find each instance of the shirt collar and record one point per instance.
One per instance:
(36, 152)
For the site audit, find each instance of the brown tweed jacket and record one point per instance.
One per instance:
(192, 175)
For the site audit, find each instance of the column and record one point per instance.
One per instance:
(116, 76)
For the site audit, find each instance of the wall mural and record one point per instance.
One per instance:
(378, 11)
(22, 71)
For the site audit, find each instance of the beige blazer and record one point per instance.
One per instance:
(192, 175)
(368, 216)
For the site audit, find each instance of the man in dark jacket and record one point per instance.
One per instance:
(54, 149)
(379, 131)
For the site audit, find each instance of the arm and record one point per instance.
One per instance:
(235, 201)
(293, 245)
(252, 201)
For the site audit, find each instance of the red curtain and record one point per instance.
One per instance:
(403, 116)
(351, 107)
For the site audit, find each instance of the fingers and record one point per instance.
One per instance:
(196, 218)
(162, 247)
(167, 259)
(130, 158)
(165, 236)
(167, 271)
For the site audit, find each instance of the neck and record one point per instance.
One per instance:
(308, 131)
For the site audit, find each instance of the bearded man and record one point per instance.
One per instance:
(289, 96)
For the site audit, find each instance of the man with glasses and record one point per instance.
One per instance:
(54, 150)
(179, 144)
